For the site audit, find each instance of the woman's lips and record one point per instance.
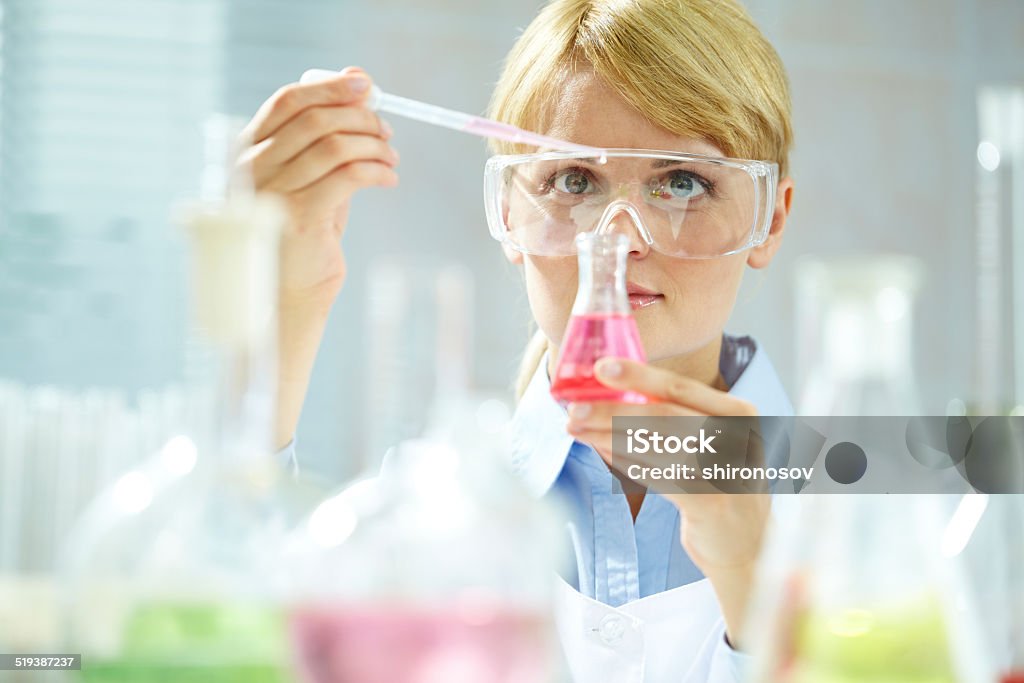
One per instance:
(641, 297)
(638, 301)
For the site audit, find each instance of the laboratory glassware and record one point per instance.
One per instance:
(601, 324)
(455, 120)
(435, 564)
(174, 574)
(438, 568)
(855, 335)
(861, 587)
(993, 553)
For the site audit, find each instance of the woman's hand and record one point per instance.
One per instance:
(722, 532)
(316, 144)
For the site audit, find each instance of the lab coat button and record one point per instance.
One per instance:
(611, 629)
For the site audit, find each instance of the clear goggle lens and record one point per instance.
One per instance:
(681, 205)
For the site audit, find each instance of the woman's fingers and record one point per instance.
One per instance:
(325, 156)
(349, 87)
(588, 415)
(344, 181)
(316, 143)
(305, 130)
(666, 385)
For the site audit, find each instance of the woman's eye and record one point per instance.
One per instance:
(679, 185)
(573, 182)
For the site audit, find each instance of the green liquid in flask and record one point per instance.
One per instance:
(197, 643)
(907, 644)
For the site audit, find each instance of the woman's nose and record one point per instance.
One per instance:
(622, 217)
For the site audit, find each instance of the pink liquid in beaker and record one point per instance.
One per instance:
(588, 338)
(396, 644)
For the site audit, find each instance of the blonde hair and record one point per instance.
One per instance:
(696, 68)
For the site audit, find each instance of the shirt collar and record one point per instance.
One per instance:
(540, 443)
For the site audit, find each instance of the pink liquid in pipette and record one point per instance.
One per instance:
(396, 644)
(589, 338)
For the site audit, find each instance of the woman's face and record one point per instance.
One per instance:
(694, 296)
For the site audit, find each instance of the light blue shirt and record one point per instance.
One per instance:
(617, 560)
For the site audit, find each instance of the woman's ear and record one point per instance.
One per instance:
(761, 255)
(513, 256)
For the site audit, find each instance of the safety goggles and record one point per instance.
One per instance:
(682, 205)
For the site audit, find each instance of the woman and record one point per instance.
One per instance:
(662, 582)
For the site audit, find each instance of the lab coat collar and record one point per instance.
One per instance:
(540, 443)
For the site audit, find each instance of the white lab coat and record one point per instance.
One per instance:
(674, 636)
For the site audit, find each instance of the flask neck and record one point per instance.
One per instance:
(602, 276)
(246, 398)
(234, 275)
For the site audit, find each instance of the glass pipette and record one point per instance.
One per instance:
(467, 123)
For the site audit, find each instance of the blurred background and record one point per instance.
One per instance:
(899, 288)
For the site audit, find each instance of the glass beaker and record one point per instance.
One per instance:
(601, 324)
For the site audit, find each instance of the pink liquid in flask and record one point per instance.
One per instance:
(400, 644)
(589, 338)
(602, 324)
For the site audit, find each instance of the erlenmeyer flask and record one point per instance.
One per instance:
(856, 589)
(601, 324)
(439, 566)
(174, 574)
(438, 569)
(855, 335)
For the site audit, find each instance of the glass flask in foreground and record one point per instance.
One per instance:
(864, 588)
(174, 574)
(438, 569)
(601, 325)
(994, 557)
(436, 565)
